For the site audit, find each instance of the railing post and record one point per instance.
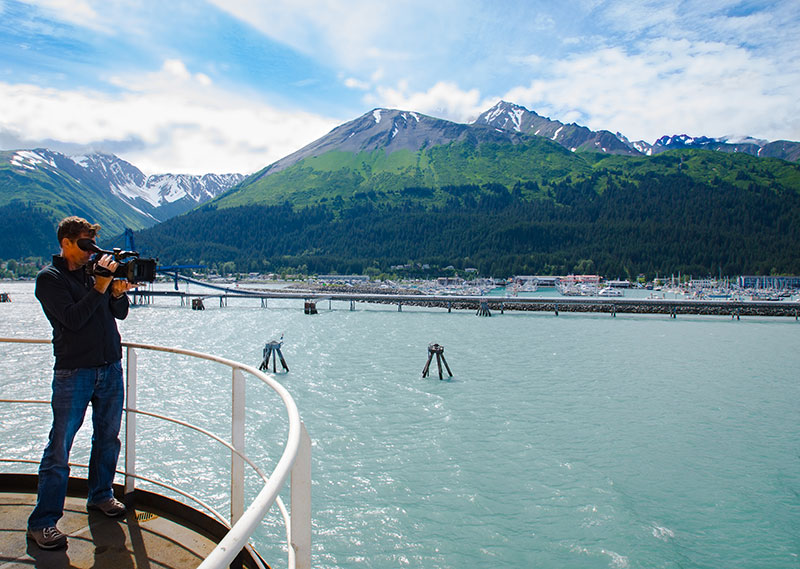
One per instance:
(301, 502)
(130, 421)
(237, 440)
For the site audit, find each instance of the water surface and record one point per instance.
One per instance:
(572, 441)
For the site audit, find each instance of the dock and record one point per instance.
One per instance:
(494, 304)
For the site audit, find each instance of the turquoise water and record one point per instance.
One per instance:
(572, 441)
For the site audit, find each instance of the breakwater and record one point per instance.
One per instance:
(487, 305)
(672, 307)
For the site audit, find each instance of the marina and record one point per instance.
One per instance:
(603, 303)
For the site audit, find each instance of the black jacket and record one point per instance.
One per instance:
(84, 327)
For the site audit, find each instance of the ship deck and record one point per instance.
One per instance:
(156, 532)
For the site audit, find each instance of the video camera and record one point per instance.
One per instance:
(130, 267)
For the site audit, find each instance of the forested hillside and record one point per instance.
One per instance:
(697, 212)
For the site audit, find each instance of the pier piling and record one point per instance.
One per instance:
(671, 307)
(438, 351)
(273, 350)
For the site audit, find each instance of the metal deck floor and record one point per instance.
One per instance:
(140, 539)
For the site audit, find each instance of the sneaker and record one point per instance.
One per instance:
(112, 507)
(48, 538)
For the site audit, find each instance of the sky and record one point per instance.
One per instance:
(222, 86)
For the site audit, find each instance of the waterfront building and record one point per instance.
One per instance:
(781, 282)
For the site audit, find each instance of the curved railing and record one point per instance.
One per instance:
(295, 462)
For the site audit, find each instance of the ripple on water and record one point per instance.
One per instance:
(577, 441)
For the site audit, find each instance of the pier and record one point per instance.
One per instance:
(555, 305)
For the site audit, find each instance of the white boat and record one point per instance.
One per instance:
(610, 291)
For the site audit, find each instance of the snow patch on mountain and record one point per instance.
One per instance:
(147, 195)
(29, 159)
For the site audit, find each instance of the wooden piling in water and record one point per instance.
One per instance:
(438, 351)
(273, 350)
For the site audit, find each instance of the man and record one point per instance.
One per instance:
(82, 310)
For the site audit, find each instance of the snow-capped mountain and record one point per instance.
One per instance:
(512, 117)
(509, 116)
(784, 149)
(157, 197)
(391, 130)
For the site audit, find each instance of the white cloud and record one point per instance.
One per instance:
(185, 125)
(353, 83)
(444, 100)
(675, 86)
(358, 36)
(644, 68)
(173, 76)
(76, 12)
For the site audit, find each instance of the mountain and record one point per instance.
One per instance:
(783, 149)
(510, 117)
(389, 131)
(390, 152)
(159, 196)
(46, 186)
(513, 192)
(400, 188)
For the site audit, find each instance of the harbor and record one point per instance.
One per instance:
(486, 304)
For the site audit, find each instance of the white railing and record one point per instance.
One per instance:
(295, 462)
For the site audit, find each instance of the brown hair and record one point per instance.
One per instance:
(71, 227)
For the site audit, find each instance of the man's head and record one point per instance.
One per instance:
(69, 231)
(73, 227)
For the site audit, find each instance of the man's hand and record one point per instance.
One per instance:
(120, 287)
(101, 283)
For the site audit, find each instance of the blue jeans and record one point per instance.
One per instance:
(73, 390)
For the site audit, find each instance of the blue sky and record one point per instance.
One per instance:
(193, 86)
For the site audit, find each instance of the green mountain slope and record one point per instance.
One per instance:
(42, 197)
(345, 174)
(529, 207)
